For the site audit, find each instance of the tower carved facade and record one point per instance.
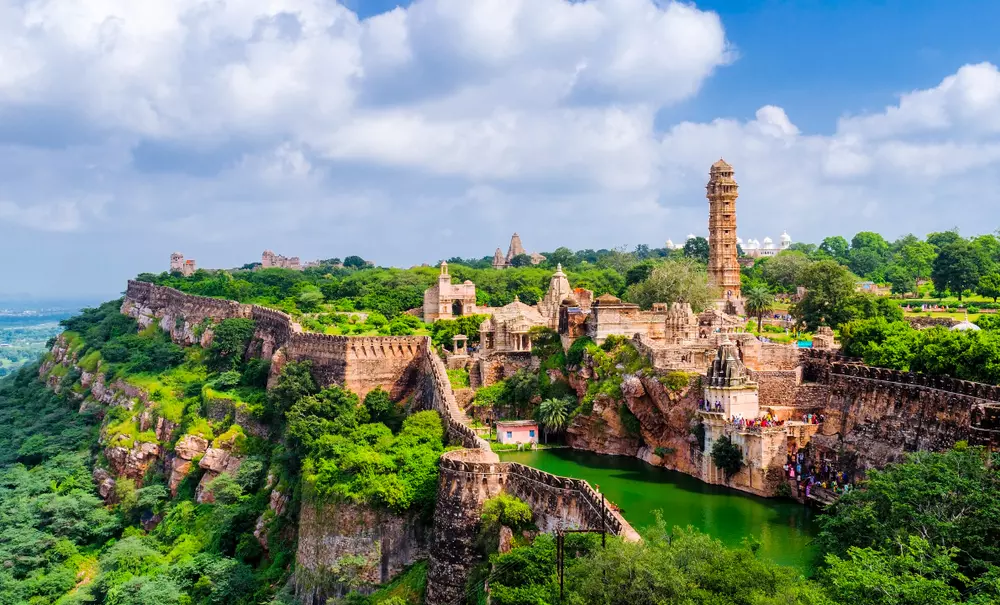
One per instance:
(723, 268)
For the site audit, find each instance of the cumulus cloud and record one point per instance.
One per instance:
(434, 130)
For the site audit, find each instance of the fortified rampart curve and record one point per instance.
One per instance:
(402, 365)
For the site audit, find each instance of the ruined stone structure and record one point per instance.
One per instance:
(269, 259)
(386, 542)
(723, 269)
(445, 300)
(515, 249)
(507, 329)
(470, 477)
(880, 414)
(179, 265)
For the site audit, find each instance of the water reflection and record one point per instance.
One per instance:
(784, 528)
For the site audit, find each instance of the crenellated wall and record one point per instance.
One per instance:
(358, 363)
(879, 414)
(470, 477)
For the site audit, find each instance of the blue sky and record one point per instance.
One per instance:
(130, 130)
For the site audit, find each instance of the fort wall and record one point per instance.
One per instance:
(879, 414)
(470, 477)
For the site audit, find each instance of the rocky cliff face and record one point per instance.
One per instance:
(666, 418)
(345, 546)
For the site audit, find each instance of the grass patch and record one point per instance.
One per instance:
(91, 361)
(408, 586)
(459, 379)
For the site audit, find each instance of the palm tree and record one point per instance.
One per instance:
(758, 301)
(554, 414)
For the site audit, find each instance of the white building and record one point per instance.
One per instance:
(757, 249)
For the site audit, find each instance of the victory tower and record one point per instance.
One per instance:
(723, 269)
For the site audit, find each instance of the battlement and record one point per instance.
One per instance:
(941, 383)
(470, 477)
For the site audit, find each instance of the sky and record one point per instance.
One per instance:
(410, 132)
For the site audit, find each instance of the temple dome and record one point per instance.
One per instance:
(721, 165)
(785, 237)
(965, 326)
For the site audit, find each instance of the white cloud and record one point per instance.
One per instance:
(228, 127)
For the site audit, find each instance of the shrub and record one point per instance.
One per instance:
(727, 456)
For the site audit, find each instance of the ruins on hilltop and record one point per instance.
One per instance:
(515, 249)
(269, 260)
(178, 264)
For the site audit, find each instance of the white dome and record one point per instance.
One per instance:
(966, 325)
(690, 235)
(785, 237)
(739, 240)
(768, 240)
(670, 244)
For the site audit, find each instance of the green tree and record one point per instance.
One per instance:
(887, 344)
(727, 456)
(230, 340)
(941, 239)
(673, 281)
(554, 414)
(521, 260)
(829, 292)
(835, 247)
(294, 382)
(697, 248)
(948, 499)
(901, 278)
(331, 411)
(914, 573)
(561, 256)
(310, 299)
(355, 262)
(783, 272)
(956, 268)
(915, 256)
(758, 302)
(989, 286)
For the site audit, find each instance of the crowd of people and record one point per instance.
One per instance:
(766, 422)
(812, 475)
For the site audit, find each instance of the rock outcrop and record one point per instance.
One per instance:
(217, 460)
(188, 448)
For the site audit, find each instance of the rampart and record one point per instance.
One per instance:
(358, 363)
(470, 477)
(178, 313)
(880, 414)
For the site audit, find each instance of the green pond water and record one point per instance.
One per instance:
(784, 528)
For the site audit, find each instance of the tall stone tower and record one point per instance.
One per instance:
(723, 269)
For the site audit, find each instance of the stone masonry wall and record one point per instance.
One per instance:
(470, 477)
(360, 364)
(775, 386)
(880, 414)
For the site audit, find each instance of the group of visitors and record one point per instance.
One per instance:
(756, 423)
(813, 418)
(816, 475)
(708, 406)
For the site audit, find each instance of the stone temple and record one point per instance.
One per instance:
(516, 248)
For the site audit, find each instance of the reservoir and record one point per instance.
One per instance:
(784, 528)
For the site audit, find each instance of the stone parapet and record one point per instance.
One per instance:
(470, 477)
